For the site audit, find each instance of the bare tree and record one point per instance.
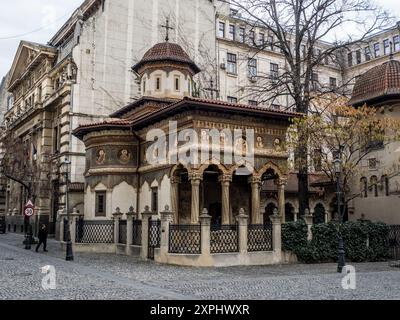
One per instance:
(299, 30)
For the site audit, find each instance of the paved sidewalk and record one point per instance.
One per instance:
(106, 276)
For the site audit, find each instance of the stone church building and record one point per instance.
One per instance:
(118, 169)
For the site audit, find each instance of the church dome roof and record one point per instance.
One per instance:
(378, 82)
(166, 51)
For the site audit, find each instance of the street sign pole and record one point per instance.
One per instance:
(29, 211)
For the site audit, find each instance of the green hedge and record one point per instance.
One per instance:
(364, 241)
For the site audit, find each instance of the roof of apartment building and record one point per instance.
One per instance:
(380, 81)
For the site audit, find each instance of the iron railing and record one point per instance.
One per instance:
(122, 232)
(137, 233)
(185, 239)
(259, 237)
(224, 239)
(154, 237)
(95, 231)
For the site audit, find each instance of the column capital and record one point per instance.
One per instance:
(195, 177)
(205, 218)
(242, 217)
(175, 180)
(308, 218)
(225, 178)
(255, 180)
(276, 219)
(281, 182)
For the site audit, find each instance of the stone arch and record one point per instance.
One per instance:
(212, 162)
(270, 166)
(319, 213)
(289, 211)
(243, 164)
(178, 167)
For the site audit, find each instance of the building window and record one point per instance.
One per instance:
(350, 59)
(386, 47)
(253, 103)
(374, 185)
(233, 12)
(372, 163)
(232, 63)
(101, 204)
(367, 52)
(221, 30)
(332, 83)
(252, 37)
(364, 187)
(317, 160)
(154, 199)
(385, 182)
(261, 39)
(232, 99)
(396, 43)
(314, 81)
(270, 42)
(158, 83)
(56, 139)
(232, 32)
(358, 56)
(10, 102)
(377, 50)
(252, 68)
(242, 32)
(275, 106)
(177, 83)
(274, 69)
(144, 86)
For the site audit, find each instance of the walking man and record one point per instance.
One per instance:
(42, 238)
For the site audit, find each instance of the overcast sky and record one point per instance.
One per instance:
(38, 20)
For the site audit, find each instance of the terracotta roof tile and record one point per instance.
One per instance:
(166, 51)
(377, 82)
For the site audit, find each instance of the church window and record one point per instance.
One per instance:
(158, 83)
(100, 204)
(232, 63)
(144, 86)
(177, 83)
(154, 199)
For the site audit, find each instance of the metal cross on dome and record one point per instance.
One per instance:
(167, 28)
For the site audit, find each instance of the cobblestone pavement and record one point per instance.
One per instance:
(106, 276)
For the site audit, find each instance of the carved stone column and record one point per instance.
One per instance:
(308, 218)
(255, 199)
(195, 179)
(175, 181)
(243, 221)
(225, 184)
(205, 222)
(281, 183)
(117, 217)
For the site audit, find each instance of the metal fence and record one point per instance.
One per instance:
(154, 237)
(94, 231)
(224, 239)
(122, 232)
(137, 233)
(185, 239)
(259, 237)
(394, 242)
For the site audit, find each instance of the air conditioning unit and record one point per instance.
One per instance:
(223, 66)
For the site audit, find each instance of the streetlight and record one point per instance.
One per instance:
(69, 254)
(337, 163)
